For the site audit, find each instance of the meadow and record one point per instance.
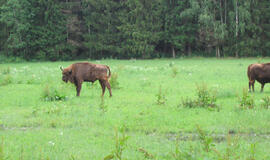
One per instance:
(154, 113)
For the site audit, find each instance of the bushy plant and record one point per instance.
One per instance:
(174, 71)
(120, 145)
(246, 101)
(52, 93)
(206, 140)
(266, 102)
(205, 98)
(161, 99)
(146, 154)
(5, 80)
(189, 103)
(114, 80)
(102, 106)
(5, 71)
(183, 154)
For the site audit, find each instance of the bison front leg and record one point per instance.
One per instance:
(251, 83)
(102, 86)
(78, 87)
(108, 86)
(262, 87)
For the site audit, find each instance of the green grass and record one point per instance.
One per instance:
(32, 127)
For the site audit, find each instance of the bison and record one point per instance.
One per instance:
(78, 73)
(259, 72)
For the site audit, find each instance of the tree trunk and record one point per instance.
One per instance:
(220, 11)
(217, 52)
(189, 50)
(225, 16)
(236, 28)
(173, 52)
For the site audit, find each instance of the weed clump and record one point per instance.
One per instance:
(5, 71)
(114, 80)
(161, 99)
(266, 102)
(246, 101)
(120, 145)
(51, 93)
(5, 77)
(174, 71)
(205, 98)
(5, 80)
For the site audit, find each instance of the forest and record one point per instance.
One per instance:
(124, 29)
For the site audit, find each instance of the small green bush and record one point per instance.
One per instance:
(5, 80)
(189, 103)
(161, 99)
(51, 93)
(120, 145)
(174, 71)
(114, 81)
(266, 102)
(5, 71)
(246, 101)
(205, 98)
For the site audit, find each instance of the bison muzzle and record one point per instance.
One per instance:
(78, 73)
(260, 73)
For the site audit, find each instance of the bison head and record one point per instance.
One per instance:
(66, 74)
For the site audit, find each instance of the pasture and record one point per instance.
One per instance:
(146, 118)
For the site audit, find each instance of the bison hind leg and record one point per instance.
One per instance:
(102, 87)
(109, 87)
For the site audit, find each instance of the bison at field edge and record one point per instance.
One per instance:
(78, 73)
(259, 72)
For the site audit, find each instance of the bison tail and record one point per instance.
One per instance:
(248, 72)
(109, 71)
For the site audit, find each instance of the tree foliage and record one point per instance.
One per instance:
(64, 29)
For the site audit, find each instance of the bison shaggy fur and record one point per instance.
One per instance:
(260, 73)
(78, 73)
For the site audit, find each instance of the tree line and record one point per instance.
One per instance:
(72, 29)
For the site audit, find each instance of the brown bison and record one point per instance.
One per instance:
(259, 72)
(77, 73)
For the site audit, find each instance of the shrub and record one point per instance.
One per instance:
(5, 71)
(161, 99)
(174, 71)
(266, 102)
(114, 81)
(246, 101)
(120, 145)
(189, 103)
(102, 106)
(5, 80)
(51, 93)
(205, 98)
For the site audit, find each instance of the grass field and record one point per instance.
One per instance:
(144, 119)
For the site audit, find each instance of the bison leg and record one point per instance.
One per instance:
(262, 87)
(108, 86)
(251, 83)
(103, 87)
(78, 87)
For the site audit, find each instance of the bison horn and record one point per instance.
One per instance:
(61, 68)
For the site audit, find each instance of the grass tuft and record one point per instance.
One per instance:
(52, 93)
(246, 101)
(114, 81)
(161, 99)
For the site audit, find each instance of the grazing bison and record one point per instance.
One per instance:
(259, 72)
(77, 73)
